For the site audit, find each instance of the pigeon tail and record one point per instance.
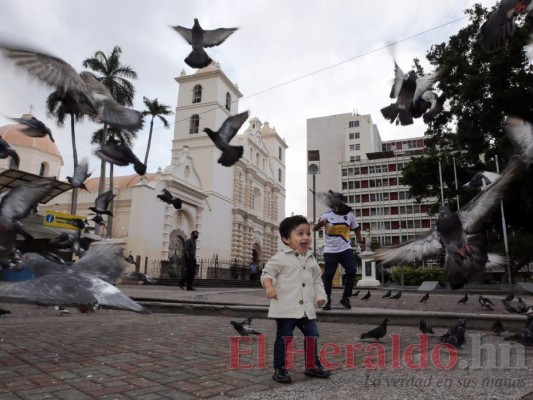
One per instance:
(231, 155)
(405, 117)
(390, 112)
(198, 58)
(139, 168)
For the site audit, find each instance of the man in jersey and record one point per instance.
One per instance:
(338, 221)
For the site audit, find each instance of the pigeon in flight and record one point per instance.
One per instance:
(120, 154)
(17, 203)
(463, 299)
(34, 127)
(80, 175)
(222, 137)
(425, 298)
(397, 295)
(102, 202)
(460, 233)
(378, 332)
(245, 327)
(198, 39)
(500, 26)
(407, 89)
(7, 151)
(84, 91)
(436, 105)
(482, 180)
(520, 133)
(97, 219)
(89, 283)
(497, 327)
(167, 197)
(425, 327)
(366, 296)
(335, 201)
(386, 294)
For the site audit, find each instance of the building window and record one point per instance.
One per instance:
(197, 94)
(195, 124)
(280, 153)
(42, 170)
(279, 174)
(228, 101)
(353, 124)
(357, 158)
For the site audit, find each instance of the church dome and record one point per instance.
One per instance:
(13, 135)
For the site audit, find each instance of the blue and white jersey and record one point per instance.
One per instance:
(337, 231)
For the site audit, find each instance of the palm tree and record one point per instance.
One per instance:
(156, 110)
(58, 105)
(115, 76)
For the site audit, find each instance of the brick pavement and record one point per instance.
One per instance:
(121, 355)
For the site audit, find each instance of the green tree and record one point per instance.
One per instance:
(482, 89)
(155, 110)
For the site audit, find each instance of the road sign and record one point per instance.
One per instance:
(61, 220)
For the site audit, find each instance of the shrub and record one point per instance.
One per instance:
(415, 276)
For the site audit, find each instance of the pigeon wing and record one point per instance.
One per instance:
(113, 153)
(217, 36)
(423, 83)
(102, 201)
(231, 126)
(186, 33)
(399, 77)
(102, 261)
(18, 202)
(417, 249)
(521, 134)
(80, 172)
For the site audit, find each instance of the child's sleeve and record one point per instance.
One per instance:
(271, 270)
(320, 292)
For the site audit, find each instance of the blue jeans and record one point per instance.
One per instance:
(332, 260)
(284, 336)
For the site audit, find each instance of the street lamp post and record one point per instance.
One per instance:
(313, 168)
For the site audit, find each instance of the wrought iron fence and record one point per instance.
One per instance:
(205, 269)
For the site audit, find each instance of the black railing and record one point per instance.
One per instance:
(205, 269)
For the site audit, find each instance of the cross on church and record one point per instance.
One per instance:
(31, 108)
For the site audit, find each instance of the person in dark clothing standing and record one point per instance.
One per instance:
(190, 261)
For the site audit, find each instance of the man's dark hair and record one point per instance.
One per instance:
(193, 232)
(289, 224)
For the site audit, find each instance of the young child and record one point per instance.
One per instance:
(292, 279)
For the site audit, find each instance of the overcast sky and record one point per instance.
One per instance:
(335, 42)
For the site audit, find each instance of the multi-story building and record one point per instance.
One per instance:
(353, 160)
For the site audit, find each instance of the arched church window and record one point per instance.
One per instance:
(195, 124)
(42, 169)
(197, 94)
(228, 101)
(279, 174)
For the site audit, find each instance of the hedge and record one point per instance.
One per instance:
(415, 276)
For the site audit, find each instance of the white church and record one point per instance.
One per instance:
(236, 210)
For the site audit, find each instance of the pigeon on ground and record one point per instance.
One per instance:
(335, 201)
(34, 127)
(510, 308)
(140, 277)
(120, 154)
(497, 327)
(460, 233)
(17, 203)
(245, 327)
(509, 297)
(500, 26)
(407, 89)
(521, 306)
(453, 330)
(485, 300)
(12, 260)
(167, 197)
(85, 93)
(355, 294)
(198, 39)
(425, 298)
(378, 332)
(486, 304)
(80, 175)
(397, 295)
(386, 294)
(7, 151)
(425, 327)
(102, 202)
(436, 105)
(60, 310)
(90, 282)
(366, 296)
(4, 311)
(464, 299)
(457, 339)
(482, 180)
(524, 337)
(222, 137)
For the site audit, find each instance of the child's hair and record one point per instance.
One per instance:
(288, 224)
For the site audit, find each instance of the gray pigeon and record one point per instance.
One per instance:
(102, 202)
(500, 26)
(378, 332)
(436, 105)
(34, 127)
(456, 339)
(222, 137)
(386, 294)
(482, 180)
(425, 298)
(245, 327)
(97, 219)
(85, 93)
(486, 304)
(120, 154)
(425, 327)
(464, 299)
(335, 201)
(366, 296)
(521, 134)
(397, 295)
(198, 39)
(17, 203)
(497, 327)
(509, 307)
(7, 151)
(80, 175)
(459, 233)
(453, 330)
(89, 283)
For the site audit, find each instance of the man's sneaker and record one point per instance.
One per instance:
(327, 307)
(318, 372)
(281, 375)
(345, 301)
